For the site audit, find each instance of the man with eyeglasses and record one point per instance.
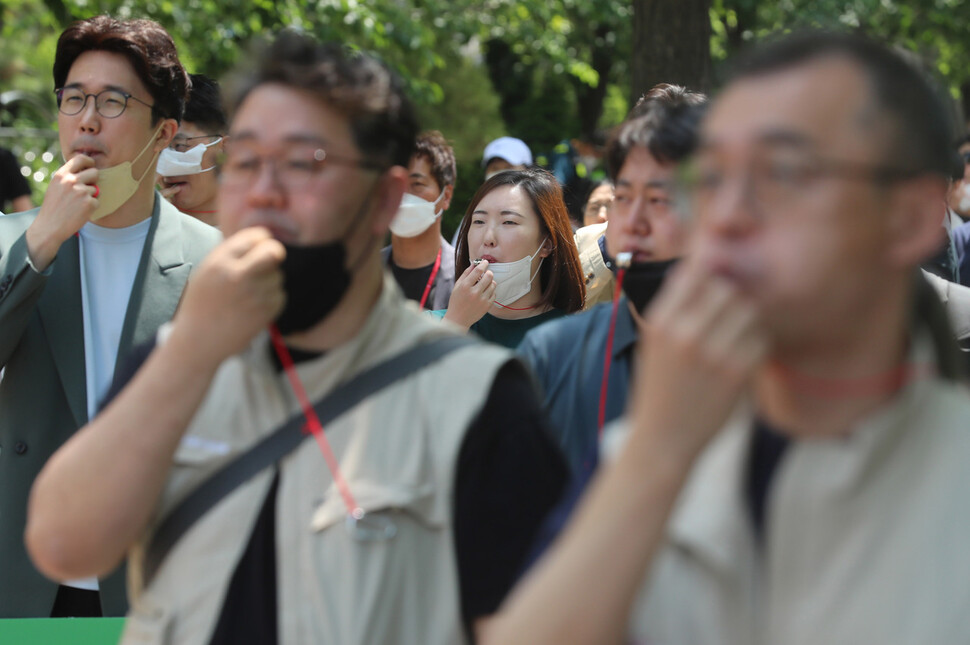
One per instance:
(188, 169)
(92, 272)
(405, 518)
(793, 467)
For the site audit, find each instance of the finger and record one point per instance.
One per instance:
(78, 163)
(239, 243)
(486, 279)
(170, 192)
(681, 287)
(489, 291)
(700, 315)
(264, 256)
(479, 270)
(468, 271)
(88, 176)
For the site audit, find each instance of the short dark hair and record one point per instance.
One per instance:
(921, 133)
(204, 107)
(665, 121)
(561, 274)
(432, 146)
(147, 46)
(359, 86)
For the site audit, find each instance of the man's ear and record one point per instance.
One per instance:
(170, 128)
(916, 220)
(387, 198)
(446, 198)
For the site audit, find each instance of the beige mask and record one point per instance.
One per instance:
(116, 184)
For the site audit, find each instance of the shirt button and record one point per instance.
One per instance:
(20, 448)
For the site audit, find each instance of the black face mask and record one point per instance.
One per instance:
(314, 279)
(644, 279)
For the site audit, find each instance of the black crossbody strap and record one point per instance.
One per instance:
(284, 439)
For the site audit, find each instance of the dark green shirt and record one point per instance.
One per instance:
(508, 333)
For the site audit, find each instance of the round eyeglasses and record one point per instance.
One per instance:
(107, 103)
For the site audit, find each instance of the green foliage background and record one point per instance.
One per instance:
(544, 70)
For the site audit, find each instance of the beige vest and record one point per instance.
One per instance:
(599, 279)
(866, 536)
(397, 450)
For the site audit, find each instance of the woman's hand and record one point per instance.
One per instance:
(472, 295)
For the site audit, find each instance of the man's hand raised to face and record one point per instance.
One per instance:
(236, 292)
(68, 203)
(702, 342)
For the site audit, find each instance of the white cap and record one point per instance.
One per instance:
(509, 148)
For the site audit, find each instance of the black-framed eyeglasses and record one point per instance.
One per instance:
(185, 144)
(966, 157)
(775, 184)
(108, 103)
(293, 168)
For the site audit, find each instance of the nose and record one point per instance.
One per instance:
(637, 220)
(266, 189)
(89, 119)
(732, 209)
(489, 237)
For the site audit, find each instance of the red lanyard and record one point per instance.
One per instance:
(607, 360)
(885, 383)
(434, 273)
(313, 423)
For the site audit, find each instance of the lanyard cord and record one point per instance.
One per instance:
(434, 274)
(313, 424)
(607, 359)
(887, 382)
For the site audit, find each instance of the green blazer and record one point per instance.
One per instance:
(43, 398)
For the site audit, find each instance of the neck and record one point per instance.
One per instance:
(825, 389)
(525, 307)
(136, 209)
(419, 251)
(205, 212)
(348, 317)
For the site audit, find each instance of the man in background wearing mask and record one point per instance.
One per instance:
(188, 169)
(450, 464)
(422, 262)
(569, 355)
(92, 272)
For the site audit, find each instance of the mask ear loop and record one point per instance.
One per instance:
(623, 263)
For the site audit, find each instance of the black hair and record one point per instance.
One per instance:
(204, 107)
(359, 86)
(144, 43)
(920, 125)
(665, 121)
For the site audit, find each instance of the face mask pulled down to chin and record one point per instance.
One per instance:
(415, 215)
(315, 279)
(116, 184)
(514, 279)
(643, 280)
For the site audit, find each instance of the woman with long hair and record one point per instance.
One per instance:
(516, 258)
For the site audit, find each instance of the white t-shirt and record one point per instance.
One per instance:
(109, 261)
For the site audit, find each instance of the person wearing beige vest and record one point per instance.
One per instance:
(415, 520)
(793, 466)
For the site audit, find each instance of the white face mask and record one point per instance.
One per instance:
(116, 184)
(514, 279)
(414, 215)
(172, 163)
